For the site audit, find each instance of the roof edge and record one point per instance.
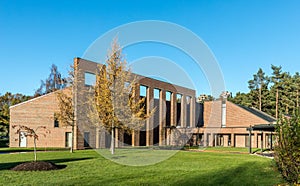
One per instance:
(33, 99)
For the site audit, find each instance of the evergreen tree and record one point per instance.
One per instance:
(259, 89)
(277, 88)
(241, 99)
(7, 100)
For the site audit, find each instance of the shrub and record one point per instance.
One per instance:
(287, 150)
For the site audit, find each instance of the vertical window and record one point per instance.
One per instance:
(56, 122)
(168, 108)
(89, 79)
(143, 91)
(178, 108)
(156, 93)
(86, 139)
(168, 96)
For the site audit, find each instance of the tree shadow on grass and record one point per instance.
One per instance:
(10, 165)
(252, 173)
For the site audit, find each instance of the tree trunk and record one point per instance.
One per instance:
(35, 157)
(72, 140)
(260, 88)
(276, 106)
(112, 146)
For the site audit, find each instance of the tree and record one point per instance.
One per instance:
(287, 150)
(29, 132)
(296, 86)
(65, 113)
(7, 100)
(204, 97)
(54, 82)
(277, 79)
(115, 101)
(259, 86)
(241, 99)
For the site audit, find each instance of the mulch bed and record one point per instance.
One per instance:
(36, 166)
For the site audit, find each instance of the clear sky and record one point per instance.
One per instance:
(243, 35)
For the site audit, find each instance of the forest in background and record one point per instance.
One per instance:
(275, 94)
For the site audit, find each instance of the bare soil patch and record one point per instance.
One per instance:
(36, 166)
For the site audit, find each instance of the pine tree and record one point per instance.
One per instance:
(277, 80)
(259, 89)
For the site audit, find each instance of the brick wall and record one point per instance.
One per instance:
(38, 112)
(235, 115)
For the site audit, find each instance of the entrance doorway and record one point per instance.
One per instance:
(23, 139)
(68, 139)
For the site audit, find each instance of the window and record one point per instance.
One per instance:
(168, 96)
(143, 91)
(56, 122)
(178, 108)
(89, 79)
(86, 139)
(156, 93)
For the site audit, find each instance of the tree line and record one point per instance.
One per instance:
(275, 94)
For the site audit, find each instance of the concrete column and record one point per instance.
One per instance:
(205, 140)
(225, 140)
(162, 117)
(135, 138)
(255, 140)
(183, 111)
(232, 140)
(215, 140)
(265, 140)
(149, 122)
(97, 138)
(116, 137)
(136, 134)
(211, 139)
(192, 112)
(173, 108)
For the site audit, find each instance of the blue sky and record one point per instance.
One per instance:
(243, 35)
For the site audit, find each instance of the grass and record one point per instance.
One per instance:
(22, 149)
(87, 167)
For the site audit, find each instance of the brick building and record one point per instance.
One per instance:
(178, 118)
(225, 124)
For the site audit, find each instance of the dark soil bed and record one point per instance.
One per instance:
(36, 166)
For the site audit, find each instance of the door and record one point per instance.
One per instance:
(68, 139)
(23, 139)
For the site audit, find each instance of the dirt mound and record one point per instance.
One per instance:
(35, 166)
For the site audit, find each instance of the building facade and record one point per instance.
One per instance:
(225, 124)
(178, 119)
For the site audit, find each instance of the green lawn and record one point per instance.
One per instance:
(184, 168)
